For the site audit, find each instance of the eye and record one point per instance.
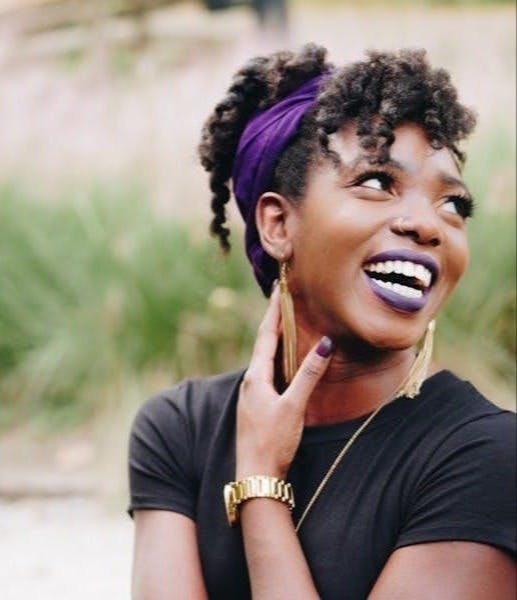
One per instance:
(374, 180)
(459, 205)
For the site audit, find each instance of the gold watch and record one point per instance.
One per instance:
(255, 486)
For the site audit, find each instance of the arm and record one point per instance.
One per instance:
(269, 428)
(462, 512)
(276, 564)
(166, 562)
(449, 571)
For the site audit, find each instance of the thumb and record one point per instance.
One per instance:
(310, 371)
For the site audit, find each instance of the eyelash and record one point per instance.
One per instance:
(464, 204)
(385, 178)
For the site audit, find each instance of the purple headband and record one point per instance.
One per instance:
(264, 138)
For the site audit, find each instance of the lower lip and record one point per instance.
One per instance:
(396, 301)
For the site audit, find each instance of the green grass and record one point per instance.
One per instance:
(97, 290)
(100, 288)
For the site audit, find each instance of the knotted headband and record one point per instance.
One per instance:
(264, 138)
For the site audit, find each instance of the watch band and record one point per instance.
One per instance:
(255, 486)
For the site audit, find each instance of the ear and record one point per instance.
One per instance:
(271, 216)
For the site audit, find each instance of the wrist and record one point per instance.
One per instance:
(250, 469)
(256, 486)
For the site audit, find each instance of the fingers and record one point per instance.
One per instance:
(264, 350)
(310, 372)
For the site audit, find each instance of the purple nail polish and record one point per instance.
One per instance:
(325, 347)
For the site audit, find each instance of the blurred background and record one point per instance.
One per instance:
(110, 287)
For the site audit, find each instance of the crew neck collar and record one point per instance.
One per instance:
(395, 409)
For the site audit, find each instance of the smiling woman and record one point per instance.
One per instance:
(351, 466)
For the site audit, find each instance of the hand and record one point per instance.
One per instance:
(270, 425)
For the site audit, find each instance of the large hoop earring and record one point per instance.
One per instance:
(288, 326)
(411, 385)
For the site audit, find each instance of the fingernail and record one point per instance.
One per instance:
(273, 285)
(325, 347)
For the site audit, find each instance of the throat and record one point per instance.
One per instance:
(358, 391)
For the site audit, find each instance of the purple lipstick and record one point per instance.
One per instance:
(401, 278)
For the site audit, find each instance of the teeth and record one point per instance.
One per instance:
(423, 274)
(407, 268)
(406, 291)
(402, 290)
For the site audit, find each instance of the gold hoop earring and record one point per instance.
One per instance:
(288, 326)
(411, 385)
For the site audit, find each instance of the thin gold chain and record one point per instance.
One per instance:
(338, 458)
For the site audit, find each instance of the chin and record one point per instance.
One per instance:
(389, 336)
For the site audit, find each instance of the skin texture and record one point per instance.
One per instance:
(327, 239)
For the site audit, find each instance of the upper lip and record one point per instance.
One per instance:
(406, 255)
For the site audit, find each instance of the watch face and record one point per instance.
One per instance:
(229, 502)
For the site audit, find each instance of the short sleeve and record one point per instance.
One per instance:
(467, 490)
(161, 469)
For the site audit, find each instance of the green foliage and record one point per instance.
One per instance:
(99, 290)
(479, 320)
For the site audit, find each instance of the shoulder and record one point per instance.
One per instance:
(474, 439)
(458, 409)
(170, 440)
(465, 481)
(192, 404)
(464, 437)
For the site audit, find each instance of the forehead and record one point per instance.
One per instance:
(411, 148)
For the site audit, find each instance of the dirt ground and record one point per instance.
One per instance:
(63, 528)
(63, 548)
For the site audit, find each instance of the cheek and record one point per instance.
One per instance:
(459, 257)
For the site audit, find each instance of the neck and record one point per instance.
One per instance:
(358, 379)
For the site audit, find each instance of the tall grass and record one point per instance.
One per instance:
(98, 289)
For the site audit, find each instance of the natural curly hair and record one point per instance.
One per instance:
(378, 93)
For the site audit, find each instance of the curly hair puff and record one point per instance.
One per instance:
(378, 93)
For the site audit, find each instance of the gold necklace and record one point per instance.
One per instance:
(410, 387)
(343, 451)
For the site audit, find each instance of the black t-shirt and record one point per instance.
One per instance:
(439, 467)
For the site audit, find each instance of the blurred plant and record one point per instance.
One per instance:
(478, 323)
(99, 290)
(99, 287)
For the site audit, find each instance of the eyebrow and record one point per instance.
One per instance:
(450, 180)
(362, 159)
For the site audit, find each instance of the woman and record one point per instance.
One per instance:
(402, 478)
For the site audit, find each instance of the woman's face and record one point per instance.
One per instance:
(357, 270)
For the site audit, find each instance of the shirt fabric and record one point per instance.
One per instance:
(438, 467)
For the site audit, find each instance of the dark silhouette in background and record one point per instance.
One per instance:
(270, 13)
(37, 17)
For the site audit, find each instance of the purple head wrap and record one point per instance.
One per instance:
(265, 136)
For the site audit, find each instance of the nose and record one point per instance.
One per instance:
(420, 226)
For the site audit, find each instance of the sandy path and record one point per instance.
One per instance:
(63, 549)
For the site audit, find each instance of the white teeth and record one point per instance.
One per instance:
(407, 268)
(402, 290)
(423, 274)
(406, 291)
